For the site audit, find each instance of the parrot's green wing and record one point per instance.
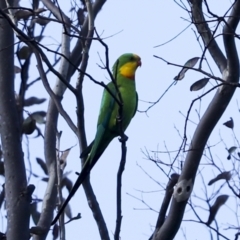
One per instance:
(107, 107)
(136, 105)
(97, 147)
(87, 150)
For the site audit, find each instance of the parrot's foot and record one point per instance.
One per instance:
(123, 138)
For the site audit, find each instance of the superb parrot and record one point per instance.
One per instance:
(107, 127)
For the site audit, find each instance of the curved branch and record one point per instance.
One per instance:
(76, 56)
(57, 13)
(207, 37)
(50, 196)
(229, 41)
(166, 201)
(53, 96)
(119, 189)
(91, 197)
(210, 118)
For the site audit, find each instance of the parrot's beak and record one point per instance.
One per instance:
(139, 63)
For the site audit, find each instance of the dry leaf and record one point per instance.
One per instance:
(230, 151)
(33, 100)
(22, 14)
(199, 84)
(222, 176)
(35, 214)
(189, 64)
(221, 200)
(229, 124)
(55, 231)
(39, 10)
(63, 158)
(80, 16)
(43, 165)
(17, 69)
(39, 116)
(41, 21)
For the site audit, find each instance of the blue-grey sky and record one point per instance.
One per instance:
(141, 26)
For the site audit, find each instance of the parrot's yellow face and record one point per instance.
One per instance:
(128, 69)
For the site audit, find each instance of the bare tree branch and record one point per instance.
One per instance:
(207, 37)
(76, 57)
(58, 14)
(166, 201)
(92, 200)
(119, 189)
(18, 204)
(49, 200)
(230, 71)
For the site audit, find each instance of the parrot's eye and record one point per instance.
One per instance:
(132, 58)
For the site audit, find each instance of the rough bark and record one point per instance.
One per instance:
(229, 67)
(17, 198)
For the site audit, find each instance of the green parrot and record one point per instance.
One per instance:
(107, 127)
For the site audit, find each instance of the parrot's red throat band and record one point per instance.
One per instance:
(131, 77)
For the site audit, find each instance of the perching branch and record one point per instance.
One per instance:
(123, 138)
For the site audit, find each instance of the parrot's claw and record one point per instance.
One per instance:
(123, 138)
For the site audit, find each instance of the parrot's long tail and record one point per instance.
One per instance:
(82, 176)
